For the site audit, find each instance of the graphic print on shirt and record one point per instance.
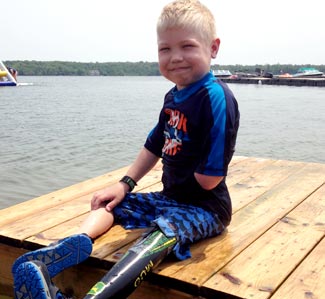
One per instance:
(175, 132)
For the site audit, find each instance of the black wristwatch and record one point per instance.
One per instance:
(129, 181)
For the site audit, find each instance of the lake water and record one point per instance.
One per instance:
(63, 130)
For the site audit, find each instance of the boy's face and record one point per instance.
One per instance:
(184, 57)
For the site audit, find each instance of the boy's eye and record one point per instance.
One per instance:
(188, 46)
(163, 49)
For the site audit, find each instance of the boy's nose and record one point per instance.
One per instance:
(176, 56)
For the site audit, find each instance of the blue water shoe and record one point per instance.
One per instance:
(58, 256)
(32, 281)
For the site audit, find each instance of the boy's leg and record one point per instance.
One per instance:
(61, 255)
(189, 223)
(127, 274)
(137, 210)
(71, 250)
(98, 222)
(32, 281)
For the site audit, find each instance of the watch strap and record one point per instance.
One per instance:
(129, 181)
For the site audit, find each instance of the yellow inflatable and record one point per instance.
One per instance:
(3, 73)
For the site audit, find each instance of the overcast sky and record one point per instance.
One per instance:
(251, 31)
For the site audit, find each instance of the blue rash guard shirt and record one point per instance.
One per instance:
(196, 132)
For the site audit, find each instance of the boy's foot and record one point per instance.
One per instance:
(32, 281)
(65, 253)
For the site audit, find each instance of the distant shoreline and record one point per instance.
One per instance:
(68, 68)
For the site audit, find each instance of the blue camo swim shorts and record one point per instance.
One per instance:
(187, 222)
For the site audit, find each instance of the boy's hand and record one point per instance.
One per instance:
(109, 197)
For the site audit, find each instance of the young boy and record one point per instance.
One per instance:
(195, 137)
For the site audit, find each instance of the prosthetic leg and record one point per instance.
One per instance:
(127, 274)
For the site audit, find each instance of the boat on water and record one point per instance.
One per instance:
(308, 72)
(7, 75)
(222, 73)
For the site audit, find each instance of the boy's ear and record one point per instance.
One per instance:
(215, 47)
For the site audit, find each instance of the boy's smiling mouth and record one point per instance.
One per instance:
(179, 69)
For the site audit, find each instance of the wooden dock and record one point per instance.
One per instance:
(274, 247)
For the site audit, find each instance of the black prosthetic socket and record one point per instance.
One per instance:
(127, 274)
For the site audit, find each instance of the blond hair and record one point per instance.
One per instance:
(191, 14)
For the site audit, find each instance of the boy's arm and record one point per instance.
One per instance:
(145, 161)
(111, 196)
(208, 182)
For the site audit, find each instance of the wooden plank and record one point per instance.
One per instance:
(76, 281)
(260, 181)
(148, 290)
(44, 238)
(247, 225)
(262, 267)
(33, 224)
(307, 281)
(236, 159)
(8, 255)
(245, 168)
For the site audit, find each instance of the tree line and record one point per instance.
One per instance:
(66, 68)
